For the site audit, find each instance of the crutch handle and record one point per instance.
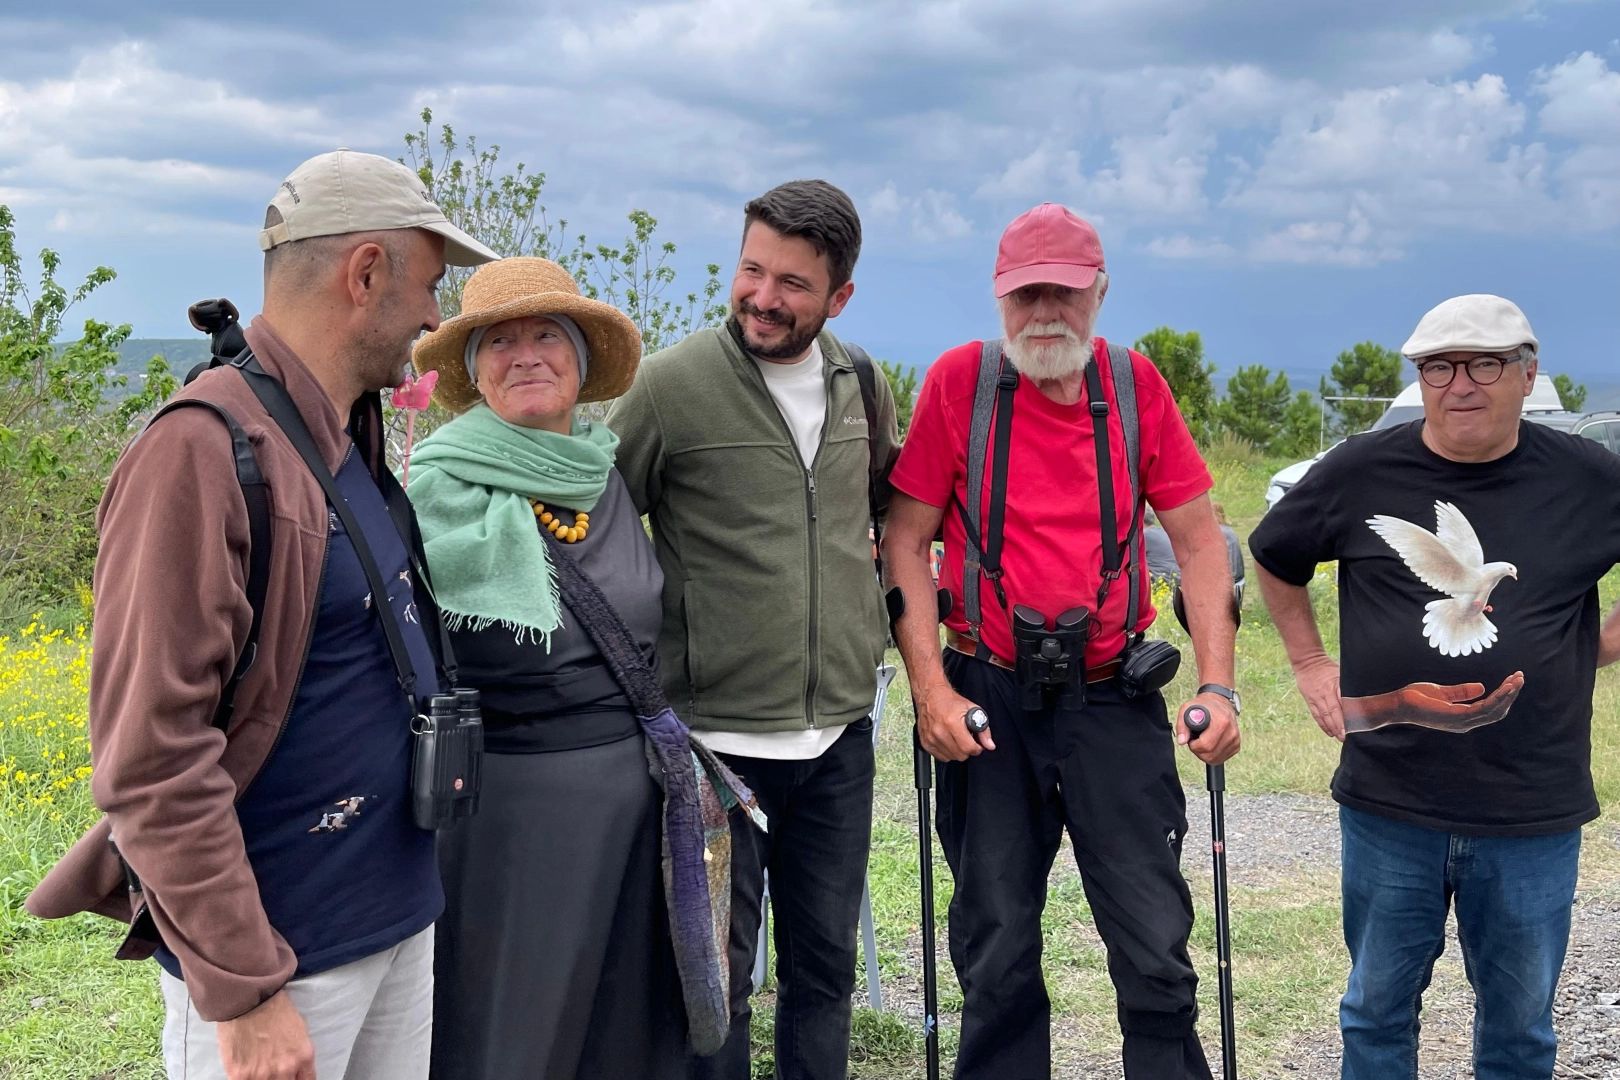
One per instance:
(1196, 719)
(977, 720)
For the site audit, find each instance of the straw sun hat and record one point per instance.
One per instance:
(519, 287)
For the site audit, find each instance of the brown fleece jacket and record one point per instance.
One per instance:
(171, 615)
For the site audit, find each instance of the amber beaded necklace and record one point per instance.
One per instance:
(568, 534)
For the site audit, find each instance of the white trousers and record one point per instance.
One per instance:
(369, 1020)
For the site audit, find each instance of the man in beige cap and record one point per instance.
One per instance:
(1469, 545)
(265, 824)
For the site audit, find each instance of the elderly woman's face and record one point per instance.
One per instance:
(529, 373)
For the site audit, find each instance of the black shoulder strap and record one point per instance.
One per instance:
(988, 394)
(1113, 551)
(866, 375)
(1006, 387)
(256, 494)
(285, 413)
(1124, 377)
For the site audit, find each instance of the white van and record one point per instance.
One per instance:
(1541, 407)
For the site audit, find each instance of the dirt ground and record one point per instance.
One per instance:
(1275, 836)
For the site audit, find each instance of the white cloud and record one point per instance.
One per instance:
(123, 144)
(1182, 246)
(1338, 132)
(930, 216)
(1583, 99)
(1331, 243)
(1359, 176)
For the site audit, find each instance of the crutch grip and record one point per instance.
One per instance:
(1196, 719)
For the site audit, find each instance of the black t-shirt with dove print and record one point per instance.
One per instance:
(1452, 573)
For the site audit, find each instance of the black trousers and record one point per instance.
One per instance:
(820, 813)
(1106, 772)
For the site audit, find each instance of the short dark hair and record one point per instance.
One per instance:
(300, 262)
(816, 211)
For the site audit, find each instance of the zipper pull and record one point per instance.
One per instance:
(811, 479)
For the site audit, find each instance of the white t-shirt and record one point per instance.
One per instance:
(800, 392)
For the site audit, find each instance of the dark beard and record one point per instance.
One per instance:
(795, 345)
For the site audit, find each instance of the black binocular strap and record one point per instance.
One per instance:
(285, 413)
(256, 494)
(399, 508)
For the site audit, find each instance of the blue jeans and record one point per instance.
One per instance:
(1513, 897)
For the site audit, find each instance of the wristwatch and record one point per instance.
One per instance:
(1226, 692)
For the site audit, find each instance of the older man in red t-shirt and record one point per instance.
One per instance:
(1092, 751)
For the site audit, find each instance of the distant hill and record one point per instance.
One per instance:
(180, 354)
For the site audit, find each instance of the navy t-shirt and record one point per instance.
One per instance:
(343, 871)
(1462, 575)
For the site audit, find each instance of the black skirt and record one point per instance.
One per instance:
(553, 954)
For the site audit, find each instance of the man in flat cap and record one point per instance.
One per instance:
(264, 819)
(1469, 545)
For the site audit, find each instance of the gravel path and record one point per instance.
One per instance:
(1271, 837)
(1278, 834)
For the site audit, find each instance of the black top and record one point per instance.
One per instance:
(537, 700)
(1455, 573)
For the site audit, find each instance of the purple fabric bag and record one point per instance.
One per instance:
(699, 792)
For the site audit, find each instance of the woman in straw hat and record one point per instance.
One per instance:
(554, 954)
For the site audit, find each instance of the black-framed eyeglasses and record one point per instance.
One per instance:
(1484, 370)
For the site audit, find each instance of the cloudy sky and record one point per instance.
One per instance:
(1286, 177)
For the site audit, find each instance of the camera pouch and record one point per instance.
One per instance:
(1148, 666)
(446, 760)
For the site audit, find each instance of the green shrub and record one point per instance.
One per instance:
(58, 437)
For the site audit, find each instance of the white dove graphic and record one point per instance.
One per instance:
(1451, 560)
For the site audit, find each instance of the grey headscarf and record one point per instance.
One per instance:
(570, 327)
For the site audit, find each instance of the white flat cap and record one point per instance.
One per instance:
(347, 192)
(1476, 321)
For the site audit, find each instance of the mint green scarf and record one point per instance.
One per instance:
(471, 482)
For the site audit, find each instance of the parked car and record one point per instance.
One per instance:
(1602, 428)
(1543, 406)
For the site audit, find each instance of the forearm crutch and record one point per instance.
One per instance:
(1196, 719)
(923, 777)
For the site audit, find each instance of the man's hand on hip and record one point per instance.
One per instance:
(942, 726)
(1318, 682)
(1221, 739)
(269, 1042)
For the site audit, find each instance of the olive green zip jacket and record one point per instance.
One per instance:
(773, 618)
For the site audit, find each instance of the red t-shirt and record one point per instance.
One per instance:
(1052, 543)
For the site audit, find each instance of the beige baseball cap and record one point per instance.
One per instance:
(348, 192)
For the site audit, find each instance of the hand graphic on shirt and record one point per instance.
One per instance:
(1456, 708)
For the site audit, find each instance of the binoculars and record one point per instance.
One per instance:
(447, 761)
(1050, 659)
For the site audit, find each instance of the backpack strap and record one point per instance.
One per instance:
(256, 494)
(992, 400)
(1119, 364)
(284, 411)
(866, 375)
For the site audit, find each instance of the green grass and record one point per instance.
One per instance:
(68, 1010)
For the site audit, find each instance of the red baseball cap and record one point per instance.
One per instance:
(1048, 245)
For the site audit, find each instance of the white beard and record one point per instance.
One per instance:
(1058, 360)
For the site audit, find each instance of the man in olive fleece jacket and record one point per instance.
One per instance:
(748, 447)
